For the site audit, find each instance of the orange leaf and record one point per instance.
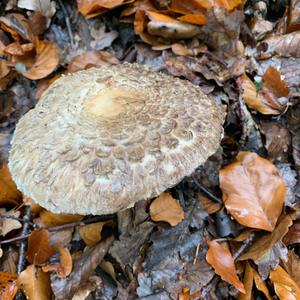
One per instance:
(91, 233)
(253, 191)
(8, 285)
(285, 287)
(8, 189)
(39, 250)
(35, 283)
(227, 4)
(91, 59)
(47, 58)
(261, 285)
(220, 258)
(191, 6)
(139, 21)
(258, 101)
(193, 19)
(166, 208)
(66, 264)
(52, 219)
(248, 283)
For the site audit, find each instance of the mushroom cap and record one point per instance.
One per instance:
(101, 139)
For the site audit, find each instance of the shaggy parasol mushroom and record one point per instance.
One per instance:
(100, 140)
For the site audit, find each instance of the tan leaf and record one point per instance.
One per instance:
(39, 250)
(253, 191)
(91, 59)
(261, 285)
(35, 283)
(91, 233)
(268, 240)
(256, 100)
(66, 264)
(6, 224)
(9, 193)
(47, 58)
(52, 219)
(285, 287)
(166, 208)
(8, 285)
(220, 258)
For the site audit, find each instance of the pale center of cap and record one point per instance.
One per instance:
(112, 102)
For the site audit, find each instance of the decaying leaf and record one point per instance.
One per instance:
(39, 250)
(8, 224)
(8, 189)
(220, 258)
(285, 287)
(253, 191)
(47, 58)
(8, 285)
(166, 208)
(35, 283)
(66, 264)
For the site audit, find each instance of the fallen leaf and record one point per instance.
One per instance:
(91, 233)
(47, 58)
(83, 267)
(7, 224)
(285, 287)
(35, 284)
(248, 283)
(209, 205)
(91, 59)
(43, 84)
(293, 235)
(166, 208)
(220, 258)
(8, 285)
(267, 240)
(292, 266)
(227, 4)
(108, 267)
(52, 219)
(253, 191)
(65, 268)
(261, 285)
(193, 19)
(294, 16)
(39, 250)
(9, 193)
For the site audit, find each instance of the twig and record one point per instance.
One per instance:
(17, 219)
(68, 23)
(206, 192)
(245, 245)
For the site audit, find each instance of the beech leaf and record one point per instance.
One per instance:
(8, 285)
(220, 258)
(166, 208)
(253, 191)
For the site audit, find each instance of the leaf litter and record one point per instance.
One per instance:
(236, 216)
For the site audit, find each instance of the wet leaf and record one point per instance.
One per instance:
(253, 191)
(285, 287)
(47, 58)
(166, 208)
(39, 250)
(220, 258)
(91, 59)
(8, 189)
(65, 268)
(35, 283)
(6, 224)
(8, 285)
(52, 219)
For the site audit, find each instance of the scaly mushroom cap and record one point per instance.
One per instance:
(100, 140)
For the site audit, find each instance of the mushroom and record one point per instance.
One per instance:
(101, 139)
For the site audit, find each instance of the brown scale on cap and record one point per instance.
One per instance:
(99, 140)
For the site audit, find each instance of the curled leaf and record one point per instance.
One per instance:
(253, 191)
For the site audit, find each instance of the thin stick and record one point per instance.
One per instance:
(206, 192)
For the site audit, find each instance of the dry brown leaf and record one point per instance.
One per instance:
(166, 208)
(192, 6)
(261, 285)
(220, 258)
(66, 263)
(268, 240)
(293, 235)
(43, 84)
(52, 219)
(4, 69)
(91, 59)
(263, 101)
(285, 287)
(248, 283)
(35, 284)
(47, 58)
(39, 250)
(227, 4)
(91, 233)
(253, 191)
(9, 193)
(209, 205)
(108, 267)
(6, 224)
(292, 266)
(294, 16)
(193, 19)
(8, 285)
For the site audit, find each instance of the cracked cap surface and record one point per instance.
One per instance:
(101, 139)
